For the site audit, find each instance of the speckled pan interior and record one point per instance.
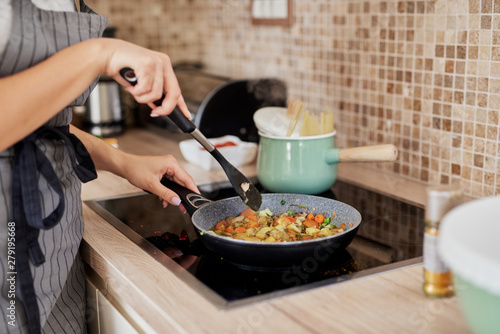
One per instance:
(209, 215)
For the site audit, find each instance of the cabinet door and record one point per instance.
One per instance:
(111, 321)
(102, 316)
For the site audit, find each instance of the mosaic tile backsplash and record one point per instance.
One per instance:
(423, 75)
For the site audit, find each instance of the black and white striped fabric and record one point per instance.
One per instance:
(58, 282)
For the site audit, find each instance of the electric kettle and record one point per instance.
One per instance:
(104, 112)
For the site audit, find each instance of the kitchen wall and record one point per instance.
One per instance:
(424, 75)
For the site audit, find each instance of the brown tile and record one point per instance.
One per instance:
(420, 7)
(446, 125)
(438, 94)
(495, 70)
(436, 109)
(447, 110)
(478, 160)
(495, 53)
(493, 117)
(494, 102)
(474, 37)
(486, 22)
(461, 51)
(483, 84)
(482, 100)
(477, 175)
(474, 6)
(430, 7)
(450, 51)
(447, 96)
(486, 6)
(462, 37)
(489, 178)
(496, 37)
(449, 66)
(470, 98)
(459, 82)
(492, 132)
(496, 8)
(428, 64)
(439, 51)
(436, 123)
(458, 97)
(468, 141)
(460, 67)
(471, 83)
(480, 131)
(466, 173)
(445, 179)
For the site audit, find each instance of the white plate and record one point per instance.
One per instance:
(274, 121)
(239, 155)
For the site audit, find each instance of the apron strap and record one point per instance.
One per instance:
(29, 162)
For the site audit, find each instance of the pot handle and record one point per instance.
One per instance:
(190, 200)
(384, 152)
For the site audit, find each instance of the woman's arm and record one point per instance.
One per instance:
(31, 97)
(144, 172)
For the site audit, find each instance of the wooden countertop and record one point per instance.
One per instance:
(391, 302)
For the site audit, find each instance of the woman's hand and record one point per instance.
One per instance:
(154, 72)
(146, 172)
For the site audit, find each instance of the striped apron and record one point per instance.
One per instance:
(42, 285)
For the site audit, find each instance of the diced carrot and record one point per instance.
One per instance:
(350, 224)
(310, 216)
(252, 224)
(291, 219)
(310, 223)
(342, 226)
(247, 212)
(250, 214)
(240, 229)
(221, 226)
(319, 219)
(253, 217)
(306, 237)
(229, 229)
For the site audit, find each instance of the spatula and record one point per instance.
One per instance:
(243, 187)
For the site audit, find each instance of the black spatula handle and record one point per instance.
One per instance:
(176, 116)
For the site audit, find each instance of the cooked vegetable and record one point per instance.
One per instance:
(265, 226)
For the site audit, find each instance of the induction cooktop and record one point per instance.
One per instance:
(390, 237)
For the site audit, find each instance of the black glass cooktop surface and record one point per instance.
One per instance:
(390, 236)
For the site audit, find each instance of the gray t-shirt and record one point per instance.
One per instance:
(6, 14)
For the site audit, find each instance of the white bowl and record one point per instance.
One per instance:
(469, 245)
(240, 154)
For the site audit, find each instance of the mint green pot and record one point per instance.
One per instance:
(305, 165)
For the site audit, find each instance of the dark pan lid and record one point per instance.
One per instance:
(229, 108)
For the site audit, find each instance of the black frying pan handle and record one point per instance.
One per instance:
(176, 116)
(191, 200)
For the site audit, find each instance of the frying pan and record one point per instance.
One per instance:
(205, 214)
